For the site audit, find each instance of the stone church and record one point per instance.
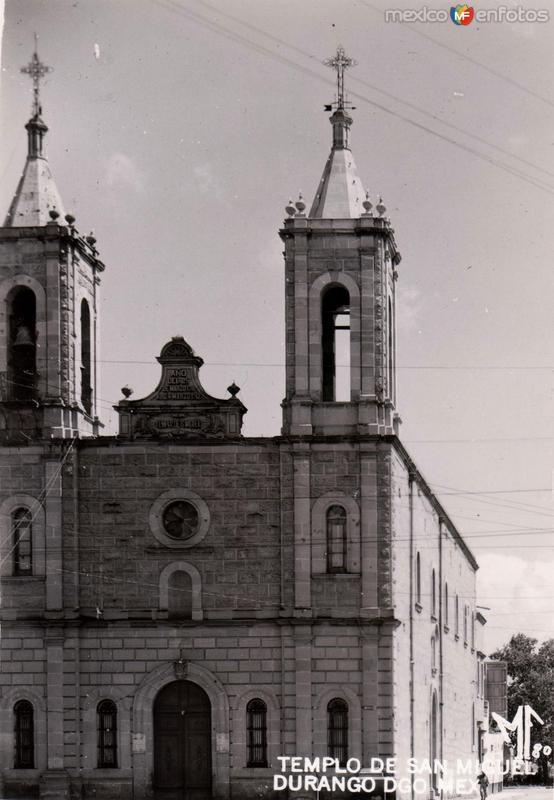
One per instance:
(181, 604)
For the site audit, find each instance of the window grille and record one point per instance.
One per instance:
(337, 730)
(24, 735)
(256, 729)
(106, 714)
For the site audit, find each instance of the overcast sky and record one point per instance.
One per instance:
(180, 128)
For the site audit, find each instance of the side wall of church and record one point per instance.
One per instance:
(266, 621)
(444, 663)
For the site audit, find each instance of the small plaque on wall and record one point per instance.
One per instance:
(222, 743)
(139, 743)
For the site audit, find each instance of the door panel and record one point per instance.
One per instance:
(182, 743)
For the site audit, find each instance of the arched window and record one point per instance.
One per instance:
(22, 537)
(390, 345)
(433, 594)
(457, 620)
(106, 726)
(24, 730)
(446, 604)
(337, 730)
(335, 344)
(180, 595)
(418, 579)
(336, 539)
(86, 366)
(256, 731)
(22, 344)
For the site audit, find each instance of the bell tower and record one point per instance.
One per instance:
(340, 275)
(49, 281)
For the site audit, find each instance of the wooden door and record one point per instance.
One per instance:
(182, 743)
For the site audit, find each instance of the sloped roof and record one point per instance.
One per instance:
(340, 192)
(36, 195)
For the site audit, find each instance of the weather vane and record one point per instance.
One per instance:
(37, 70)
(340, 62)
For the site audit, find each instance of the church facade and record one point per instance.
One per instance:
(181, 604)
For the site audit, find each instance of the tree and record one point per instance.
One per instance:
(531, 682)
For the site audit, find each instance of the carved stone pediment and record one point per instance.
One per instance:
(179, 406)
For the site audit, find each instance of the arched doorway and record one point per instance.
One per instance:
(182, 743)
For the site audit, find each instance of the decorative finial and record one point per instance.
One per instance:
(368, 205)
(126, 391)
(53, 214)
(233, 389)
(91, 239)
(70, 219)
(37, 70)
(290, 209)
(300, 204)
(340, 62)
(381, 207)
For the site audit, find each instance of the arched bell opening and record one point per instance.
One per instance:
(86, 362)
(335, 345)
(22, 344)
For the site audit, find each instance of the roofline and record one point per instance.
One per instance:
(436, 504)
(245, 441)
(52, 229)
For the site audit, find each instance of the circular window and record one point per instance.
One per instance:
(179, 518)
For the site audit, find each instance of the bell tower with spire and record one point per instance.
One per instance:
(49, 280)
(340, 273)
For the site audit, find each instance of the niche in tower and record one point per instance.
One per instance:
(86, 367)
(335, 344)
(22, 347)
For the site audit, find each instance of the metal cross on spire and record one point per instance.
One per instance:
(340, 62)
(37, 70)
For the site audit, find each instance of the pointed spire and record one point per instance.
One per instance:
(36, 194)
(36, 128)
(340, 193)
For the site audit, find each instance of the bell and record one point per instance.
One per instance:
(23, 337)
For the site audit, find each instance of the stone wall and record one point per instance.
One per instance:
(271, 621)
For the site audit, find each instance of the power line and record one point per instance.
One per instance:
(471, 60)
(228, 34)
(40, 501)
(118, 579)
(472, 134)
(281, 364)
(356, 79)
(110, 403)
(516, 505)
(478, 440)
